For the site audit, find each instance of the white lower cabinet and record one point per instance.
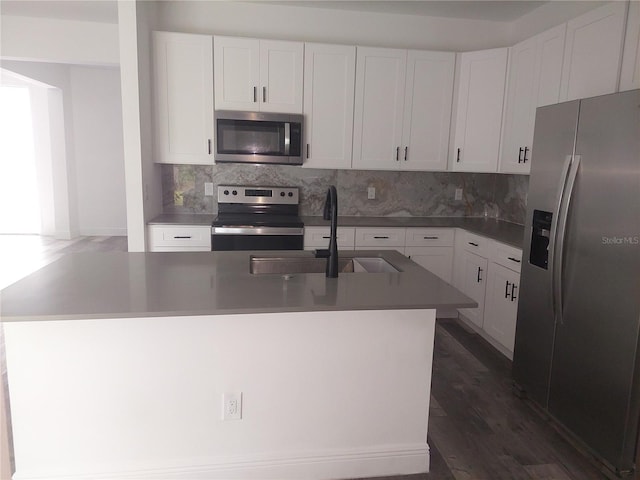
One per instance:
(501, 306)
(372, 238)
(431, 248)
(318, 237)
(474, 283)
(179, 238)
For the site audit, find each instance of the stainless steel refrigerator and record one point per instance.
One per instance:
(577, 336)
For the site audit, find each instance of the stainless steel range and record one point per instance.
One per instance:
(257, 218)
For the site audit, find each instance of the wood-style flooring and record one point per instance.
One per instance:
(478, 430)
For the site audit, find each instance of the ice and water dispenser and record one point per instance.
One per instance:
(540, 234)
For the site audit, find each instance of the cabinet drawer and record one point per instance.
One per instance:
(318, 237)
(476, 244)
(179, 237)
(380, 237)
(507, 256)
(429, 237)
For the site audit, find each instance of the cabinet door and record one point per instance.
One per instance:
(535, 69)
(379, 105)
(593, 52)
(281, 67)
(237, 73)
(474, 285)
(438, 260)
(329, 79)
(183, 115)
(479, 110)
(427, 110)
(503, 289)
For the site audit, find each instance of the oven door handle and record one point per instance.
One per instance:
(257, 231)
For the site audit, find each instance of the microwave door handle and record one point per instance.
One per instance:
(287, 138)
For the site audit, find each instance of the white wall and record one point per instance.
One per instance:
(99, 150)
(333, 26)
(59, 41)
(87, 183)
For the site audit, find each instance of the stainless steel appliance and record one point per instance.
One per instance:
(577, 336)
(257, 218)
(258, 137)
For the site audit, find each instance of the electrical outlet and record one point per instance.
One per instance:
(208, 189)
(371, 193)
(458, 194)
(232, 406)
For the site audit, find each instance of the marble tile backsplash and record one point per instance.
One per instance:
(397, 193)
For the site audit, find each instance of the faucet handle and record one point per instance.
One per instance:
(322, 253)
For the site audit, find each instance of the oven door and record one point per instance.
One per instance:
(256, 238)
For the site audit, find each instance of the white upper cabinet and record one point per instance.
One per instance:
(427, 110)
(402, 109)
(183, 106)
(630, 74)
(258, 75)
(480, 95)
(593, 52)
(329, 80)
(379, 107)
(534, 74)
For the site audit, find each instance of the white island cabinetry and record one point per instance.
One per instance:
(179, 238)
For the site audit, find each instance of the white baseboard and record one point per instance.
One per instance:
(103, 232)
(325, 465)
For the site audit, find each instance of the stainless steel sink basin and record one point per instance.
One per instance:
(298, 264)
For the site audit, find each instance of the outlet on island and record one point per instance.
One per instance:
(371, 193)
(458, 195)
(232, 406)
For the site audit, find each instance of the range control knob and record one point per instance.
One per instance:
(235, 192)
(282, 194)
(290, 194)
(226, 192)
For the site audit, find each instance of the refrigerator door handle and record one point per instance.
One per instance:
(561, 224)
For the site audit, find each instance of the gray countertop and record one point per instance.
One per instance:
(505, 232)
(120, 285)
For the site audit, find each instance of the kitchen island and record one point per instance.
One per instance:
(118, 365)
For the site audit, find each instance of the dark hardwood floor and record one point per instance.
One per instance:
(478, 430)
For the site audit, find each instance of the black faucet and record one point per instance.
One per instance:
(331, 213)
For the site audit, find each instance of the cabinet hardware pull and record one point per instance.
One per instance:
(264, 94)
(397, 154)
(326, 236)
(182, 236)
(520, 155)
(381, 238)
(255, 94)
(514, 259)
(458, 158)
(513, 291)
(506, 289)
(307, 150)
(430, 238)
(474, 244)
(209, 145)
(405, 153)
(479, 277)
(524, 160)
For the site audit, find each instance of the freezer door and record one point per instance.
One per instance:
(595, 365)
(554, 137)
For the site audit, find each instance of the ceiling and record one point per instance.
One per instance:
(107, 10)
(501, 11)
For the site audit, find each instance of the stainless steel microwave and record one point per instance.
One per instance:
(258, 137)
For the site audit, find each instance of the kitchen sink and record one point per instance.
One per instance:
(298, 264)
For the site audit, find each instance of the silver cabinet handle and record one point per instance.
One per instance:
(264, 94)
(255, 94)
(405, 153)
